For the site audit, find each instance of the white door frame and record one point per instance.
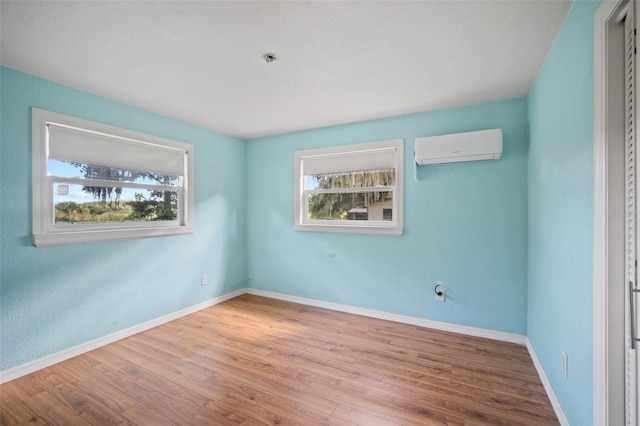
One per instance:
(602, 381)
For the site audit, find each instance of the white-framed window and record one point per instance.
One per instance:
(94, 182)
(352, 188)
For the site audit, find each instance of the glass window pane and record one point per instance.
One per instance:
(88, 171)
(351, 206)
(100, 204)
(363, 179)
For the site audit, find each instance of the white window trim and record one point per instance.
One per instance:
(45, 233)
(393, 227)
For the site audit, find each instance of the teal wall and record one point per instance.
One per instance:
(464, 224)
(560, 213)
(53, 298)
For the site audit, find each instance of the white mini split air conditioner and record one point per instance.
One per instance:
(459, 147)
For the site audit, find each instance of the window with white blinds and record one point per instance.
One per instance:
(93, 182)
(353, 188)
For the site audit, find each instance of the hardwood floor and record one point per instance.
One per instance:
(259, 361)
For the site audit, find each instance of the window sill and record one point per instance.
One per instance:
(350, 229)
(77, 237)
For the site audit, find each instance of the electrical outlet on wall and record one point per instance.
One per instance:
(204, 279)
(565, 364)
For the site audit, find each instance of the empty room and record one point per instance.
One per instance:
(318, 212)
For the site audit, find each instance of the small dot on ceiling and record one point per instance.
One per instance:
(269, 57)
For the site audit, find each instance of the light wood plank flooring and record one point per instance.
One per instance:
(259, 361)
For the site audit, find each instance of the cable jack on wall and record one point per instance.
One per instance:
(440, 291)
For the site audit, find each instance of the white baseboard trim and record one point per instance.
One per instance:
(30, 367)
(547, 385)
(405, 319)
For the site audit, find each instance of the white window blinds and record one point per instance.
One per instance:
(82, 146)
(350, 161)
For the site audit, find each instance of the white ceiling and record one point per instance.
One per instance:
(339, 62)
